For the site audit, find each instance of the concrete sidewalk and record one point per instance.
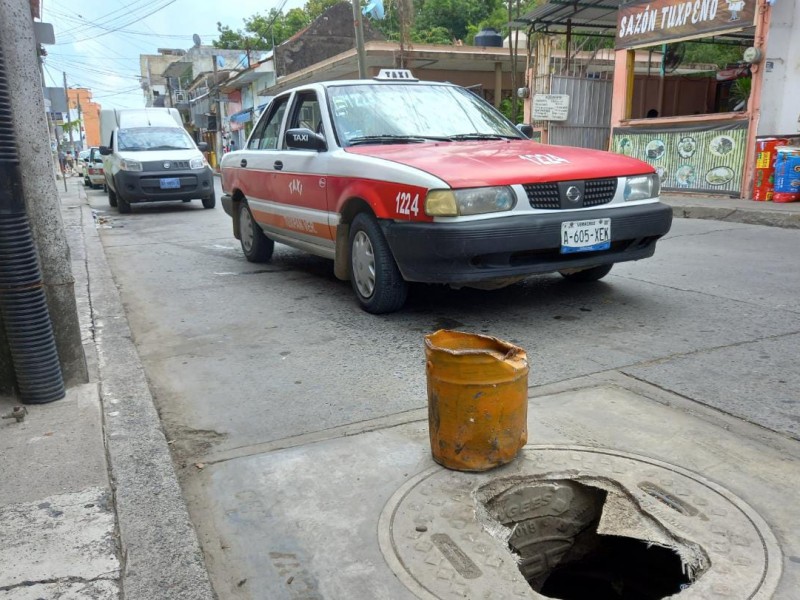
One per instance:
(91, 507)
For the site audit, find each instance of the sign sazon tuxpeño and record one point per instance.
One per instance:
(646, 23)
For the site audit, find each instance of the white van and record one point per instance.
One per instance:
(151, 158)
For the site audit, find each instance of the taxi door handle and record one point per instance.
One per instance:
(244, 162)
(278, 165)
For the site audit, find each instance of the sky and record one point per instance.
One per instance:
(98, 43)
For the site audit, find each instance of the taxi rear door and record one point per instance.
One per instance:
(258, 163)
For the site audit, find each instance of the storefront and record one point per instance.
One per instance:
(691, 81)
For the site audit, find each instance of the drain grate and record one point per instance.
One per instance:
(570, 522)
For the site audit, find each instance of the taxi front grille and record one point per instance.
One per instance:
(599, 191)
(543, 195)
(549, 196)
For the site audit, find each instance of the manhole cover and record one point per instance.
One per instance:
(447, 534)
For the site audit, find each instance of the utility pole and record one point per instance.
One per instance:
(218, 107)
(69, 122)
(51, 128)
(80, 124)
(359, 28)
(38, 188)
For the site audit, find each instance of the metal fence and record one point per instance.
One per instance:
(589, 122)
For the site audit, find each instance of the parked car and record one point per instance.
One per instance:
(91, 166)
(399, 180)
(151, 158)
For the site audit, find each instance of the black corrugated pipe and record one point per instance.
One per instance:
(23, 305)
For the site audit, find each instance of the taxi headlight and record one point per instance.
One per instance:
(642, 187)
(472, 201)
(130, 165)
(198, 163)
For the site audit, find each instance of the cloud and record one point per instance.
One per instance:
(109, 63)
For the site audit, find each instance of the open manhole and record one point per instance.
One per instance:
(575, 523)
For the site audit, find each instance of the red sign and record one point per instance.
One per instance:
(653, 22)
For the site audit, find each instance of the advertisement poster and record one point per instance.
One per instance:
(708, 157)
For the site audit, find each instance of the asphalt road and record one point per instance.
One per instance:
(240, 354)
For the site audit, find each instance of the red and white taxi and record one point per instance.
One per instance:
(399, 180)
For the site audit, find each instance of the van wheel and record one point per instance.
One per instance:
(593, 274)
(123, 206)
(256, 246)
(112, 197)
(210, 202)
(376, 280)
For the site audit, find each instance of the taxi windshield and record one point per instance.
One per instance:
(407, 113)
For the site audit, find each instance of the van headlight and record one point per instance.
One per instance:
(198, 163)
(642, 187)
(130, 165)
(471, 201)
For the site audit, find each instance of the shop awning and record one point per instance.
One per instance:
(587, 15)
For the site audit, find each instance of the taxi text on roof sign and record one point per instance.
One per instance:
(395, 74)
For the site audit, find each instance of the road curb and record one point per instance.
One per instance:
(161, 555)
(786, 220)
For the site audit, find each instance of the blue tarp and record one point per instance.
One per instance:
(246, 115)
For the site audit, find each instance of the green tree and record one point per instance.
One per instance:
(453, 15)
(714, 54)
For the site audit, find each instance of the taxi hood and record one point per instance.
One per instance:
(504, 162)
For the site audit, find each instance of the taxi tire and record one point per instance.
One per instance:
(263, 247)
(588, 275)
(391, 290)
(112, 197)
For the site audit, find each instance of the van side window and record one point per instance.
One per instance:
(267, 133)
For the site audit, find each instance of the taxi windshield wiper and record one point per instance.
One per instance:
(482, 136)
(386, 139)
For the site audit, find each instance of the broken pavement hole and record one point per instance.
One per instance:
(555, 531)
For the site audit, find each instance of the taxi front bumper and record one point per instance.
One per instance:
(519, 245)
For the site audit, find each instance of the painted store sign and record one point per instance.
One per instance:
(707, 157)
(657, 21)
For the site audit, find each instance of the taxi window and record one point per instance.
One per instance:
(307, 112)
(267, 133)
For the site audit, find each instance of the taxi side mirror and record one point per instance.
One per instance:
(305, 139)
(525, 130)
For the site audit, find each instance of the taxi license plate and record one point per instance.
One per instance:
(585, 236)
(170, 183)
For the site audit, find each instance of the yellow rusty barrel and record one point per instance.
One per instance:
(477, 399)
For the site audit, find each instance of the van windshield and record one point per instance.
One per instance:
(154, 138)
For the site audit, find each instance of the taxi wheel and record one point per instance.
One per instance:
(376, 280)
(593, 274)
(256, 246)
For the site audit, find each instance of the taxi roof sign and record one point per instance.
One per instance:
(395, 75)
